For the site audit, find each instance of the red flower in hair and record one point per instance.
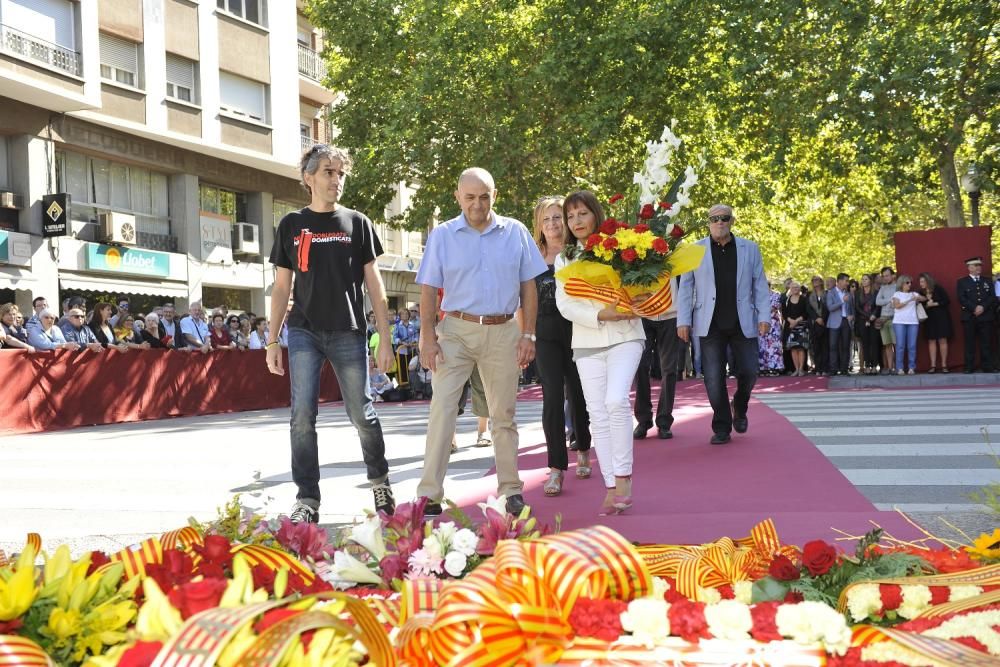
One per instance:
(609, 226)
(617, 197)
(610, 243)
(629, 255)
(647, 211)
(660, 246)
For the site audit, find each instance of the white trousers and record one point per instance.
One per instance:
(607, 379)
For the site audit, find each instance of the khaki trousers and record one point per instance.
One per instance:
(493, 348)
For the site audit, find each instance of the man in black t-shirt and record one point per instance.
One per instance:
(330, 250)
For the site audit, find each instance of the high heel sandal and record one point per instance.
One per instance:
(553, 485)
(608, 507)
(583, 468)
(623, 493)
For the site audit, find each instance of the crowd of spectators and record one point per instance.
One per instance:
(102, 326)
(407, 378)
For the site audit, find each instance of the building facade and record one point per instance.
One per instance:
(167, 134)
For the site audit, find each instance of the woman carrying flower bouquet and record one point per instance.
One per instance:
(554, 355)
(607, 346)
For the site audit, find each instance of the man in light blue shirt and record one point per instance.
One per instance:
(195, 329)
(486, 266)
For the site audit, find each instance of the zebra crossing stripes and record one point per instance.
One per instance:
(917, 450)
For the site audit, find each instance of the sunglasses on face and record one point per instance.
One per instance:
(720, 218)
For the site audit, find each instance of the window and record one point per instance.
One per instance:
(243, 97)
(251, 10)
(120, 60)
(49, 20)
(181, 79)
(224, 202)
(100, 185)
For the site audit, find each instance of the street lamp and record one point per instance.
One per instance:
(970, 183)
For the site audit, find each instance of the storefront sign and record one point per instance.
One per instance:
(55, 214)
(15, 248)
(113, 259)
(216, 238)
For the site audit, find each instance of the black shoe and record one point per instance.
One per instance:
(302, 513)
(384, 500)
(720, 438)
(664, 433)
(740, 422)
(432, 509)
(640, 431)
(515, 504)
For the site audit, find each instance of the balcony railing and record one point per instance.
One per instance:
(310, 64)
(307, 143)
(29, 47)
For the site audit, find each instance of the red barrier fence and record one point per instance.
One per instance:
(53, 390)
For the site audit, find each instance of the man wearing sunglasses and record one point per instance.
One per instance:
(726, 303)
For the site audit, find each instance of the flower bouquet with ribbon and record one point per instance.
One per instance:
(637, 249)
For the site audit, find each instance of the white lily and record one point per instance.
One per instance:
(499, 504)
(369, 535)
(348, 568)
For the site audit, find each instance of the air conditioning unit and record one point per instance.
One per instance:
(246, 238)
(11, 200)
(118, 228)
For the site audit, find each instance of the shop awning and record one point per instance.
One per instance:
(127, 286)
(12, 277)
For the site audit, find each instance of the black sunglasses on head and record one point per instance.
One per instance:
(720, 218)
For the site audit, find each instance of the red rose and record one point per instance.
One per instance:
(600, 619)
(141, 654)
(216, 549)
(676, 232)
(892, 596)
(765, 628)
(783, 569)
(592, 240)
(687, 619)
(196, 596)
(211, 570)
(617, 197)
(660, 246)
(793, 596)
(629, 255)
(647, 211)
(640, 228)
(610, 243)
(818, 557)
(609, 226)
(177, 568)
(665, 205)
(622, 224)
(263, 577)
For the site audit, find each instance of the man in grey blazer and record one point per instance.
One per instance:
(839, 324)
(726, 302)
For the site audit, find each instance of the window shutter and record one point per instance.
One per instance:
(51, 20)
(242, 96)
(119, 53)
(180, 71)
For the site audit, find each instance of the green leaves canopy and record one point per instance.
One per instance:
(827, 124)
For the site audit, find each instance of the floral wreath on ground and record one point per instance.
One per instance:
(245, 591)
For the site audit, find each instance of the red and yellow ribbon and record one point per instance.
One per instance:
(722, 562)
(981, 576)
(22, 652)
(513, 609)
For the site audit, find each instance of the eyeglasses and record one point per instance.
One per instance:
(720, 218)
(76, 316)
(556, 219)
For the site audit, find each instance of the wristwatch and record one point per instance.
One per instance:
(529, 336)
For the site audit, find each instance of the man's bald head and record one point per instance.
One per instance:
(477, 175)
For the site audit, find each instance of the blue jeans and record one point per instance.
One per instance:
(906, 340)
(746, 363)
(348, 355)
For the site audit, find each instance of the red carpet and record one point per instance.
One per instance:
(687, 491)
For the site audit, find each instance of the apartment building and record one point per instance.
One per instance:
(149, 147)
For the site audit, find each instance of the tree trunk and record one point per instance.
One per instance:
(951, 188)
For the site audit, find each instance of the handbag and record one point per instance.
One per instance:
(921, 313)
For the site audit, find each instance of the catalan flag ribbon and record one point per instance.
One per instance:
(513, 608)
(274, 559)
(599, 282)
(22, 652)
(148, 552)
(981, 576)
(722, 562)
(942, 652)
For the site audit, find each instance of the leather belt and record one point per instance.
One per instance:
(481, 319)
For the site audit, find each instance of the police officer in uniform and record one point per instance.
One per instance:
(978, 302)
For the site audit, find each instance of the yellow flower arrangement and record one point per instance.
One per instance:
(986, 546)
